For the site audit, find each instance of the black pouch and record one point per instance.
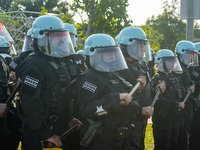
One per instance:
(121, 132)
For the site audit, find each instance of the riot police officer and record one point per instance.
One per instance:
(45, 92)
(75, 65)
(5, 132)
(135, 47)
(194, 142)
(26, 50)
(10, 124)
(73, 34)
(166, 110)
(101, 89)
(81, 56)
(188, 57)
(77, 59)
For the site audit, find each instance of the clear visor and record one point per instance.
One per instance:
(108, 59)
(4, 32)
(169, 64)
(27, 46)
(190, 58)
(57, 44)
(12, 50)
(140, 50)
(74, 40)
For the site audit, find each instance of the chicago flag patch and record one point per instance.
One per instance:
(89, 86)
(13, 65)
(30, 81)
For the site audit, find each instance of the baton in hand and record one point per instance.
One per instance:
(68, 132)
(155, 99)
(156, 96)
(123, 102)
(12, 95)
(62, 137)
(186, 98)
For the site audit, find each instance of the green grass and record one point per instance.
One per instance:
(149, 142)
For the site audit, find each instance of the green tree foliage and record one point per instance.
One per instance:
(35, 5)
(153, 36)
(104, 16)
(196, 32)
(169, 26)
(5, 5)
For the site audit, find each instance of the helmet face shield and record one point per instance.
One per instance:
(56, 44)
(169, 64)
(140, 50)
(189, 58)
(4, 32)
(27, 46)
(74, 40)
(107, 59)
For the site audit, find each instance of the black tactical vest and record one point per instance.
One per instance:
(58, 94)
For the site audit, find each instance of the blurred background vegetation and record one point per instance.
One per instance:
(107, 16)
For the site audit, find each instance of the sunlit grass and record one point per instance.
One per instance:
(149, 141)
(19, 147)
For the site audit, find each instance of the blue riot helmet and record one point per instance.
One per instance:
(27, 46)
(186, 53)
(73, 34)
(80, 52)
(4, 46)
(166, 61)
(197, 48)
(50, 37)
(102, 53)
(133, 42)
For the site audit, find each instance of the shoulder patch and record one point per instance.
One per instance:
(89, 86)
(13, 65)
(195, 74)
(30, 81)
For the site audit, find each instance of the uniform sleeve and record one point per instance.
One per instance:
(14, 65)
(90, 96)
(33, 77)
(162, 98)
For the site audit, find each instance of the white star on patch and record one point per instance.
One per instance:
(30, 81)
(89, 86)
(78, 62)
